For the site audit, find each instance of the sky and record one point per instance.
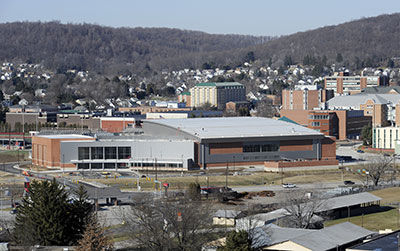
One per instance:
(250, 17)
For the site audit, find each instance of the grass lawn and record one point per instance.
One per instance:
(13, 156)
(373, 222)
(388, 195)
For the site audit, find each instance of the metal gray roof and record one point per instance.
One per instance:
(381, 89)
(348, 201)
(272, 234)
(357, 99)
(236, 127)
(227, 214)
(331, 237)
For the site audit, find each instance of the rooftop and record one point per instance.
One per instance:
(357, 99)
(331, 237)
(236, 127)
(66, 136)
(348, 201)
(220, 84)
(227, 213)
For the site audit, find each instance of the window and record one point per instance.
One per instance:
(109, 165)
(122, 165)
(251, 148)
(124, 152)
(110, 152)
(261, 148)
(83, 153)
(83, 165)
(97, 152)
(269, 147)
(315, 124)
(97, 166)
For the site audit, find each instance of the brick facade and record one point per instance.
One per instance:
(46, 151)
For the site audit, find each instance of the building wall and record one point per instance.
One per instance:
(223, 221)
(224, 148)
(329, 148)
(46, 151)
(299, 145)
(201, 95)
(27, 118)
(217, 96)
(349, 84)
(185, 98)
(378, 112)
(298, 116)
(325, 122)
(80, 120)
(233, 154)
(146, 109)
(154, 152)
(303, 99)
(116, 124)
(385, 137)
(287, 245)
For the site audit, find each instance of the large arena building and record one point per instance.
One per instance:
(183, 144)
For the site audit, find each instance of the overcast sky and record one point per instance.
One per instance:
(251, 17)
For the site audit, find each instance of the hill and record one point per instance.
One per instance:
(364, 42)
(368, 40)
(112, 50)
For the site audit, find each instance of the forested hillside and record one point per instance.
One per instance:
(105, 50)
(364, 42)
(112, 50)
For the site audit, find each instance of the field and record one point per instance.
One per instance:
(259, 178)
(13, 156)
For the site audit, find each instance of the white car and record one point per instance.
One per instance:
(288, 185)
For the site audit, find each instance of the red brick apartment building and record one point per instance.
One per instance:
(307, 108)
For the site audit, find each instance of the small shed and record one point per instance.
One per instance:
(227, 217)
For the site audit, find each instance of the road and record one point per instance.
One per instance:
(352, 151)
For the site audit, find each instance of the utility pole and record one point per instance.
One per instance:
(226, 176)
(63, 168)
(155, 164)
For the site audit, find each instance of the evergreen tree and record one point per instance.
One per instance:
(81, 213)
(366, 134)
(339, 57)
(47, 216)
(238, 241)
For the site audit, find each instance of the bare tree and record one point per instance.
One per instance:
(301, 208)
(377, 169)
(265, 108)
(161, 224)
(94, 238)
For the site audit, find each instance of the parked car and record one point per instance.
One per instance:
(360, 151)
(348, 182)
(288, 185)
